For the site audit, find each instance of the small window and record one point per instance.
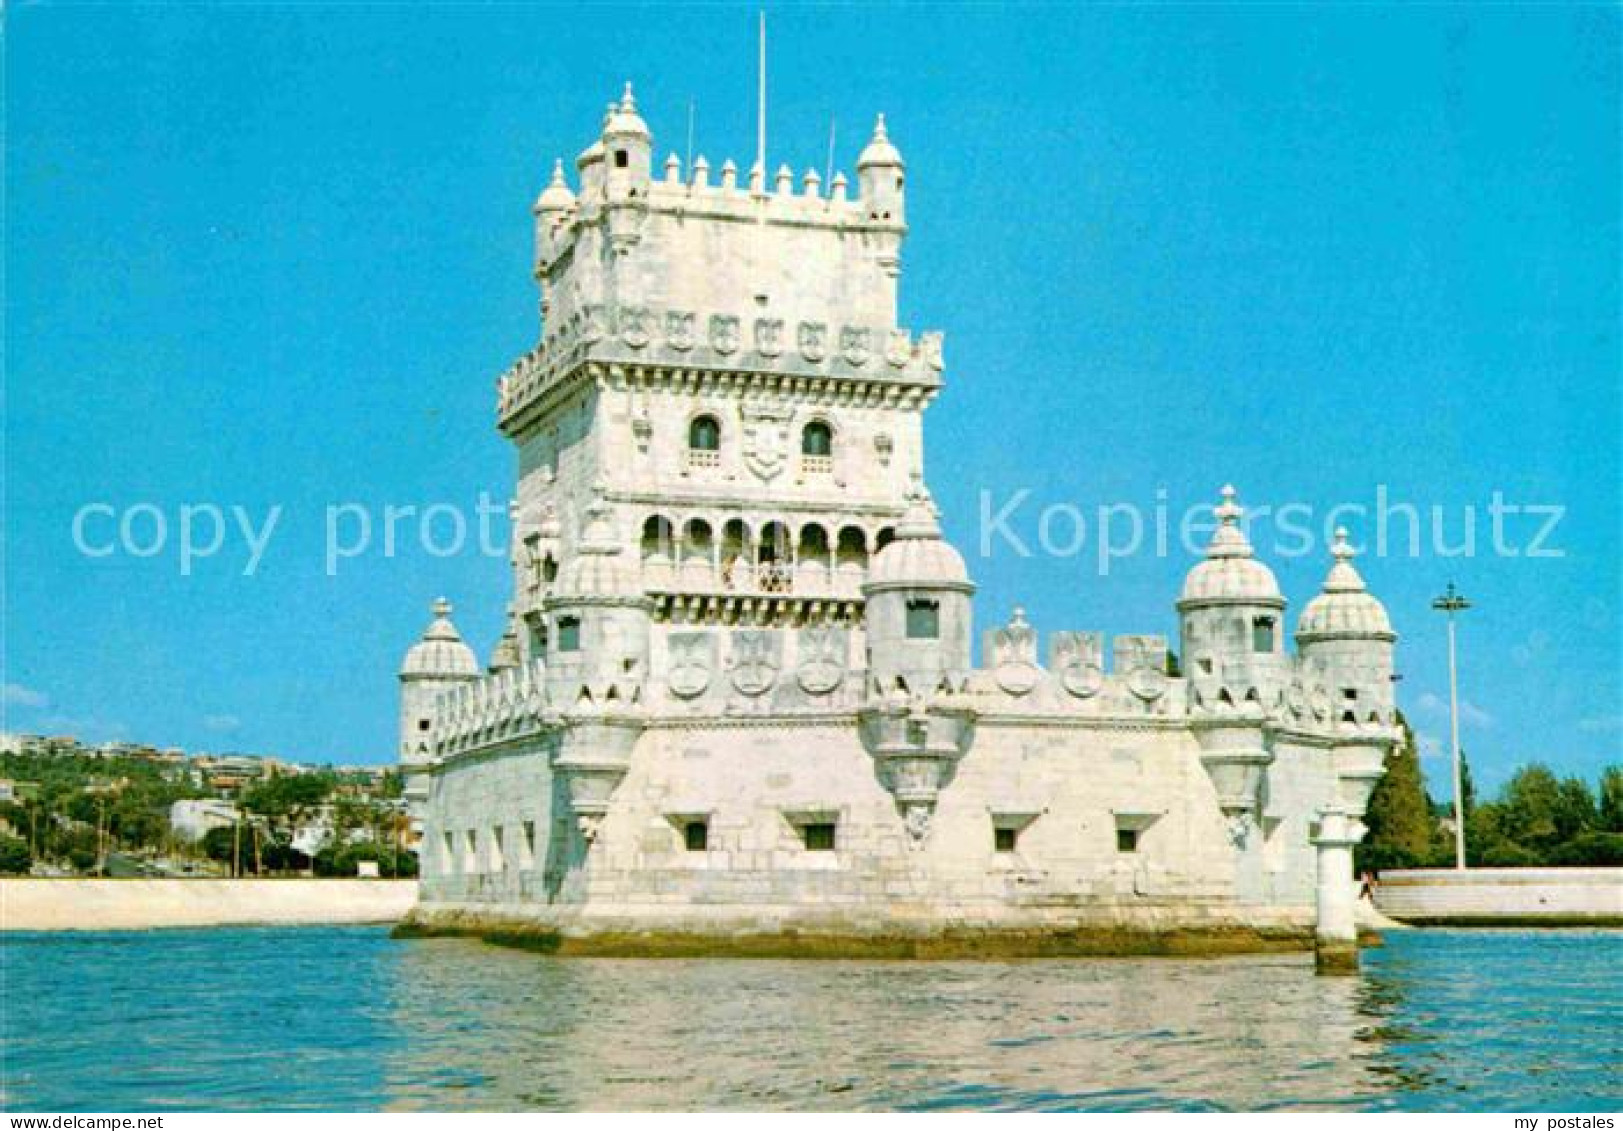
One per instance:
(817, 439)
(622, 159)
(528, 854)
(923, 620)
(1004, 840)
(1126, 840)
(696, 836)
(569, 634)
(1350, 694)
(704, 434)
(819, 837)
(1262, 634)
(422, 724)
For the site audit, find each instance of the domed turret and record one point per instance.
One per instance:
(881, 178)
(1229, 614)
(556, 197)
(1345, 631)
(918, 612)
(435, 664)
(441, 653)
(628, 147)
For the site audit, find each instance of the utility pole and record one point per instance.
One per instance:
(1452, 602)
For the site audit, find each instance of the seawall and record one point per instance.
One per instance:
(1503, 897)
(117, 905)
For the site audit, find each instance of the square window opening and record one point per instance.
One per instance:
(923, 620)
(1126, 840)
(696, 836)
(1004, 840)
(568, 634)
(818, 837)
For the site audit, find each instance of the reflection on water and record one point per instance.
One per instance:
(347, 1018)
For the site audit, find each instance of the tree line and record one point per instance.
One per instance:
(1537, 819)
(78, 811)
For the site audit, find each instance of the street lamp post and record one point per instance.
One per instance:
(1452, 602)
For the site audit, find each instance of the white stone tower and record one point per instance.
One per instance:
(721, 371)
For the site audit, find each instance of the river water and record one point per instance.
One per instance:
(346, 1018)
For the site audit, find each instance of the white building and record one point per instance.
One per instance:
(735, 697)
(192, 820)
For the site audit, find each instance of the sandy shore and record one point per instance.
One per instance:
(116, 905)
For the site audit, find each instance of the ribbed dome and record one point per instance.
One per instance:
(556, 197)
(918, 557)
(441, 653)
(1230, 571)
(623, 120)
(879, 151)
(1345, 608)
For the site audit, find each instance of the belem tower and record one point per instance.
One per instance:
(735, 704)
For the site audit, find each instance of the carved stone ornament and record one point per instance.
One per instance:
(1014, 655)
(1077, 658)
(822, 658)
(856, 345)
(723, 333)
(1147, 683)
(679, 330)
(769, 336)
(634, 322)
(692, 661)
(898, 349)
(813, 341)
(756, 660)
(766, 438)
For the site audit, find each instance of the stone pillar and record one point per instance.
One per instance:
(1335, 935)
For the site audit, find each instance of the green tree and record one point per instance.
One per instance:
(1610, 814)
(15, 858)
(1402, 830)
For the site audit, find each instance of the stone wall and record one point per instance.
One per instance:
(1503, 896)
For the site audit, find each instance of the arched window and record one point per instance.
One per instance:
(884, 538)
(697, 540)
(704, 434)
(813, 543)
(658, 537)
(852, 547)
(817, 439)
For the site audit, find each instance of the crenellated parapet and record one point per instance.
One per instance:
(508, 705)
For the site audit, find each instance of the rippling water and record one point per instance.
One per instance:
(349, 1019)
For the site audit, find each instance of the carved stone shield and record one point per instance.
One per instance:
(1013, 650)
(756, 660)
(769, 336)
(856, 345)
(898, 349)
(813, 341)
(822, 658)
(634, 326)
(679, 330)
(692, 660)
(766, 438)
(1078, 659)
(723, 333)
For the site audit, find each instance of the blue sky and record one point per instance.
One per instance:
(264, 256)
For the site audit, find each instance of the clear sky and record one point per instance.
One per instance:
(277, 255)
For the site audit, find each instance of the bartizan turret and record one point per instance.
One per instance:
(1346, 635)
(436, 664)
(1229, 616)
(917, 722)
(597, 665)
